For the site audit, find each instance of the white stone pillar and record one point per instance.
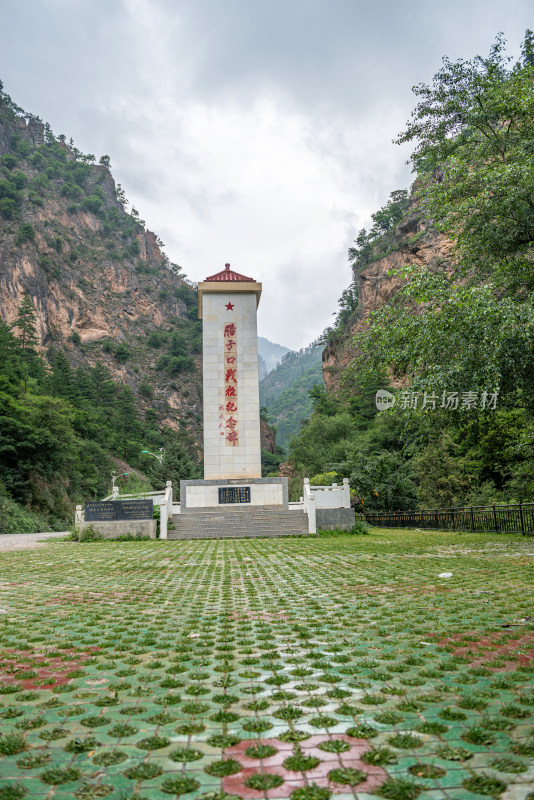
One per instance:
(346, 493)
(227, 307)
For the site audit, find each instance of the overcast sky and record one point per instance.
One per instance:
(254, 132)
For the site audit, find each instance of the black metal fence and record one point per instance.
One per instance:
(516, 518)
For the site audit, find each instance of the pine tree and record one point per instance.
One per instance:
(10, 354)
(104, 388)
(527, 49)
(127, 422)
(177, 465)
(60, 381)
(26, 324)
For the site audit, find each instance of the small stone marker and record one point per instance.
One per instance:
(118, 510)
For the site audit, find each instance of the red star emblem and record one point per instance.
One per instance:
(229, 307)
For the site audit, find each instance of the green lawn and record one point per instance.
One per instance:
(268, 668)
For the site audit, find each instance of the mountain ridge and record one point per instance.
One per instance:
(102, 286)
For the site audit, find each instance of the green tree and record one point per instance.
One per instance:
(384, 222)
(527, 49)
(325, 439)
(122, 352)
(176, 465)
(25, 233)
(443, 480)
(473, 130)
(60, 380)
(25, 323)
(11, 365)
(469, 328)
(467, 338)
(384, 481)
(127, 422)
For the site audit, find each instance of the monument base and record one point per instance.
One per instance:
(228, 493)
(114, 528)
(332, 519)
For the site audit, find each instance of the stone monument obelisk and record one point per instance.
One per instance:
(227, 307)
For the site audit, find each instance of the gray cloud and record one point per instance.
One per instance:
(252, 132)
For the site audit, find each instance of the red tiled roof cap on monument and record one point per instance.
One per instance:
(228, 274)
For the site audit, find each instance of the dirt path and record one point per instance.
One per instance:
(23, 541)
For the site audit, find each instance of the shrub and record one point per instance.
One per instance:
(9, 161)
(72, 191)
(122, 353)
(14, 518)
(93, 203)
(360, 527)
(25, 233)
(177, 364)
(7, 207)
(145, 390)
(89, 535)
(18, 179)
(155, 339)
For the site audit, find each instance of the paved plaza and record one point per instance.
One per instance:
(345, 666)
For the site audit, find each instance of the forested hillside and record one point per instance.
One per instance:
(441, 309)
(284, 393)
(269, 355)
(101, 347)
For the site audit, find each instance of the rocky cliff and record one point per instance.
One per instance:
(103, 289)
(267, 437)
(414, 242)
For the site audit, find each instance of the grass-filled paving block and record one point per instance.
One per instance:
(226, 766)
(264, 781)
(178, 786)
(348, 776)
(290, 668)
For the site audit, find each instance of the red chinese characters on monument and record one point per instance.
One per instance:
(230, 406)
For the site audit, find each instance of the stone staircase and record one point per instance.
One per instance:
(252, 522)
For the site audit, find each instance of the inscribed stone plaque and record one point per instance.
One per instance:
(116, 510)
(234, 494)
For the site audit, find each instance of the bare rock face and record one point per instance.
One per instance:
(267, 437)
(97, 280)
(417, 244)
(286, 470)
